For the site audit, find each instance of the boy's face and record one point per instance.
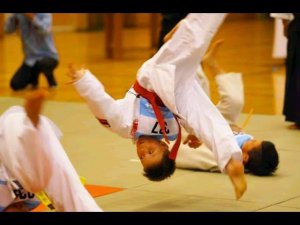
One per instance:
(251, 145)
(150, 151)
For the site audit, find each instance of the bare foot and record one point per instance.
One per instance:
(33, 105)
(209, 60)
(235, 171)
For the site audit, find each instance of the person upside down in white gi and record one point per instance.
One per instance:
(168, 82)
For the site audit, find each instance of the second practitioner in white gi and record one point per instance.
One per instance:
(32, 159)
(260, 157)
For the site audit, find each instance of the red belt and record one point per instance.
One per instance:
(155, 101)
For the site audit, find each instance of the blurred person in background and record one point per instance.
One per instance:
(40, 54)
(291, 108)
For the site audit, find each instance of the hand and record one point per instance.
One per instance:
(192, 141)
(235, 128)
(75, 74)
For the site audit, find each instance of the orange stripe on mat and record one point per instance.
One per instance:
(97, 190)
(94, 190)
(39, 208)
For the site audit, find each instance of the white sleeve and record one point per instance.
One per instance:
(231, 91)
(102, 105)
(204, 82)
(25, 154)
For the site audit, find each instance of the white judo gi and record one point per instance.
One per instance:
(171, 74)
(32, 160)
(231, 91)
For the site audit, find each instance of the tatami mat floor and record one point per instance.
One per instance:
(104, 158)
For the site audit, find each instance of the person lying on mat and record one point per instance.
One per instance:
(260, 157)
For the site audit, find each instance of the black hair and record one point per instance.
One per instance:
(162, 170)
(263, 162)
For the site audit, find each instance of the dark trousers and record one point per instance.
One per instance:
(26, 75)
(169, 20)
(291, 108)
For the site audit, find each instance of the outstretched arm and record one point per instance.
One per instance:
(102, 105)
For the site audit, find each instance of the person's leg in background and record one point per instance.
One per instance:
(34, 78)
(292, 87)
(47, 66)
(21, 78)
